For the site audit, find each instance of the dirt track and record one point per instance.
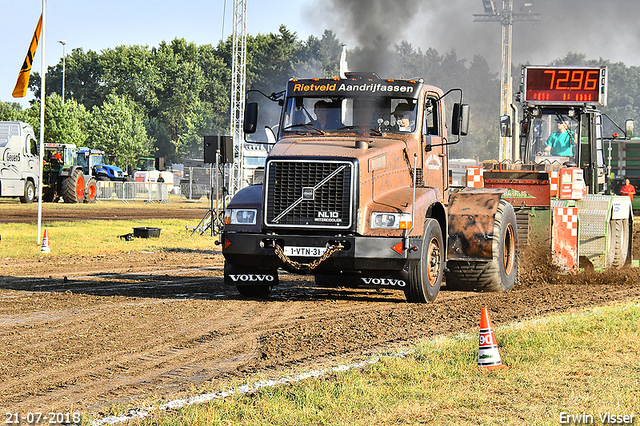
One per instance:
(81, 333)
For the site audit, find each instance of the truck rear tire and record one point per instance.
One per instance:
(91, 192)
(499, 274)
(29, 192)
(73, 188)
(425, 275)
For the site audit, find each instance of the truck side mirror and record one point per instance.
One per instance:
(250, 117)
(505, 126)
(628, 128)
(460, 121)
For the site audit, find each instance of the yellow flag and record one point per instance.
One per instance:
(20, 91)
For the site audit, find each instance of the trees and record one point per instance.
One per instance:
(178, 91)
(117, 127)
(63, 122)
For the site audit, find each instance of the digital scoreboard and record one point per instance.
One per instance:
(565, 85)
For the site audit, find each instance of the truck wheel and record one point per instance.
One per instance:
(425, 275)
(91, 192)
(499, 274)
(29, 192)
(73, 188)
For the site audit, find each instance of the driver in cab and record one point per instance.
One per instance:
(561, 142)
(405, 117)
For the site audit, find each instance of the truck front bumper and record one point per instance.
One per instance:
(256, 251)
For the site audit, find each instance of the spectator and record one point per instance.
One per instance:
(628, 189)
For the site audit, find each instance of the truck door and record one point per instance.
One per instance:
(433, 152)
(31, 159)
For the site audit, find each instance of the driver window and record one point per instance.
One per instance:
(431, 117)
(31, 147)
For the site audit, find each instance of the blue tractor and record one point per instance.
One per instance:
(93, 163)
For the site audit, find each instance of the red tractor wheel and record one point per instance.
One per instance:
(91, 193)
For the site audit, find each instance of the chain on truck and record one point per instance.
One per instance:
(558, 182)
(356, 193)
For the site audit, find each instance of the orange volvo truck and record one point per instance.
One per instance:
(356, 193)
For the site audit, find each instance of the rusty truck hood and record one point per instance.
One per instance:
(340, 146)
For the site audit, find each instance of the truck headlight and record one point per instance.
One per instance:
(390, 220)
(240, 216)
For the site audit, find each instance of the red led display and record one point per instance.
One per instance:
(571, 85)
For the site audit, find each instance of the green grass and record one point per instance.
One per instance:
(584, 362)
(96, 237)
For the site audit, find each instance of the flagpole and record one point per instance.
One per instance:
(43, 72)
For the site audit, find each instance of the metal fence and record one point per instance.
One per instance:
(133, 191)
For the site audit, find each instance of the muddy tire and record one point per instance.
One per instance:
(91, 191)
(73, 188)
(620, 243)
(499, 274)
(425, 275)
(29, 193)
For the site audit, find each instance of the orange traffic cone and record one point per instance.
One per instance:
(488, 355)
(45, 243)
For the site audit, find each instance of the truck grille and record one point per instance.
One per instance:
(309, 194)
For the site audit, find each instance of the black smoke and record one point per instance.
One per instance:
(607, 29)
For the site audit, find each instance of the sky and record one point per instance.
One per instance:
(598, 28)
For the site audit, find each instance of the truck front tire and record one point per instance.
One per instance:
(29, 193)
(425, 275)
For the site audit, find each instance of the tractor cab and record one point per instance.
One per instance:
(551, 136)
(89, 158)
(58, 157)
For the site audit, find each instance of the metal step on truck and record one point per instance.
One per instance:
(356, 193)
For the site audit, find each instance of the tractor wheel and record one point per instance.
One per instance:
(29, 192)
(73, 188)
(611, 242)
(499, 274)
(91, 193)
(621, 243)
(425, 275)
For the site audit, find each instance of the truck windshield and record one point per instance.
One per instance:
(553, 137)
(374, 115)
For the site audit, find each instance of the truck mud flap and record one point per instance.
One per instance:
(244, 276)
(471, 218)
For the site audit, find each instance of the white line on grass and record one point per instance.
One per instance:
(139, 413)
